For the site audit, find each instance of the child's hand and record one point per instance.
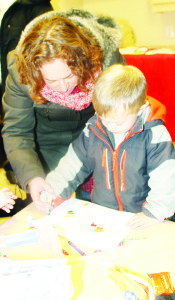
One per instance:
(140, 221)
(7, 199)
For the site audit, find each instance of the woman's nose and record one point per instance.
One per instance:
(62, 86)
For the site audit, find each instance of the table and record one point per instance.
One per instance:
(159, 72)
(153, 254)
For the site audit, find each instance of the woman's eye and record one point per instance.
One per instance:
(50, 81)
(71, 75)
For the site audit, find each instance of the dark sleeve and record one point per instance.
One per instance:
(166, 297)
(19, 133)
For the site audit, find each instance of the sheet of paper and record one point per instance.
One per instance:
(89, 224)
(32, 244)
(36, 280)
(97, 284)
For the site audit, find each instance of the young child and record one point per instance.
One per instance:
(7, 199)
(127, 148)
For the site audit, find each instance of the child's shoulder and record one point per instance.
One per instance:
(92, 121)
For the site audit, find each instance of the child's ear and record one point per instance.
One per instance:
(142, 108)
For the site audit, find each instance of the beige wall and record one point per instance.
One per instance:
(150, 28)
(66, 4)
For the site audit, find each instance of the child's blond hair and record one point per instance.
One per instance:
(119, 88)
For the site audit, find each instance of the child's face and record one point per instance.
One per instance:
(120, 122)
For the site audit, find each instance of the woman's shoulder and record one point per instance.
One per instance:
(12, 67)
(11, 58)
(13, 73)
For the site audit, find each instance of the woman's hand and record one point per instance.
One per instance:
(37, 186)
(140, 221)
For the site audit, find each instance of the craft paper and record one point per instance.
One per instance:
(36, 280)
(42, 243)
(97, 284)
(90, 224)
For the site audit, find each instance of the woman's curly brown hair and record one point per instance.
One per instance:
(54, 38)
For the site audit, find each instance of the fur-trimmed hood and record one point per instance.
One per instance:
(104, 28)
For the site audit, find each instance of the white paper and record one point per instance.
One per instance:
(36, 280)
(90, 224)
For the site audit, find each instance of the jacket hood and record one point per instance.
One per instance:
(158, 110)
(105, 29)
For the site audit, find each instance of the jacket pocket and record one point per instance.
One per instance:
(105, 165)
(122, 170)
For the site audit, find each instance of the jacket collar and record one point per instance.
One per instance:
(153, 115)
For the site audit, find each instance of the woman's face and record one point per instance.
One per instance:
(58, 76)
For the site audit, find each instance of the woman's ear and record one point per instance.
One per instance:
(142, 108)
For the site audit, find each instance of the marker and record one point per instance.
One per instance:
(76, 248)
(48, 210)
(48, 213)
(32, 222)
(44, 195)
(45, 199)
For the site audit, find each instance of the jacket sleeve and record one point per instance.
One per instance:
(71, 170)
(160, 201)
(18, 132)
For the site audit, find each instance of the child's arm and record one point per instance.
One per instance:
(140, 221)
(7, 199)
(161, 170)
(71, 171)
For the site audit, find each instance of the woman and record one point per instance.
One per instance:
(48, 93)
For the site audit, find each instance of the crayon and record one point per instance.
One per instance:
(76, 248)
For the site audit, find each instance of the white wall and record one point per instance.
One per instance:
(4, 4)
(150, 28)
(66, 4)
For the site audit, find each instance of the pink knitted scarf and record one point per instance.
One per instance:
(77, 100)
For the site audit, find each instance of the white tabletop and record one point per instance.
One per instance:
(153, 254)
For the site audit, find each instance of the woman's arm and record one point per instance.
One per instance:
(18, 131)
